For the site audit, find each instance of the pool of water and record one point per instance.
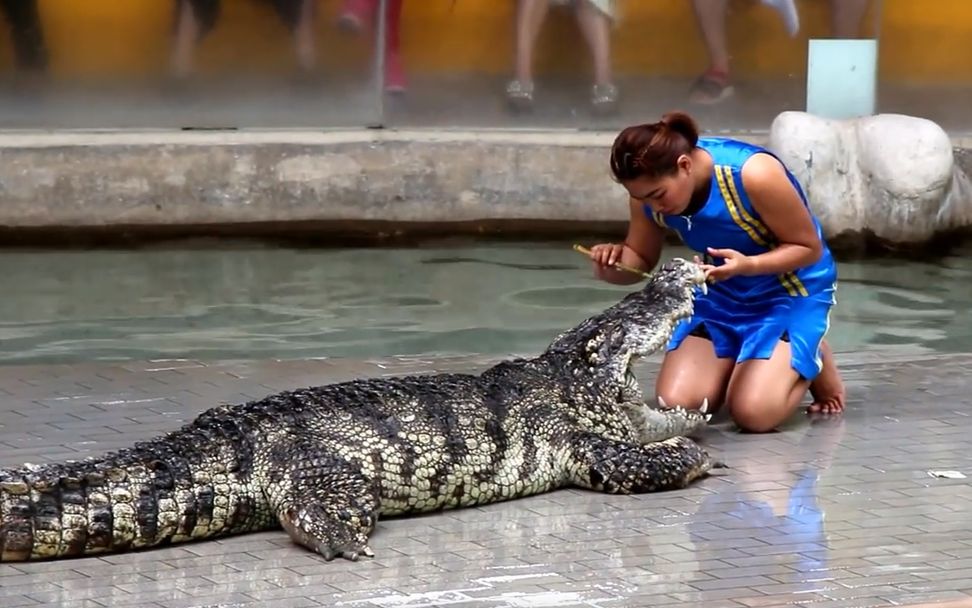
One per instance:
(252, 302)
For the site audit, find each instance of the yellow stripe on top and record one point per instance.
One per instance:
(756, 230)
(734, 204)
(795, 286)
(759, 226)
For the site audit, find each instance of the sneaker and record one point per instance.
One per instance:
(710, 88)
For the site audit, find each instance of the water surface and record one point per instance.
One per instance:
(253, 302)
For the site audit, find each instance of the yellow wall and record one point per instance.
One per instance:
(921, 41)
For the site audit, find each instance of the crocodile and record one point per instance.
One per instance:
(325, 462)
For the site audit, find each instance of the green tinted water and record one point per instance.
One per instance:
(249, 302)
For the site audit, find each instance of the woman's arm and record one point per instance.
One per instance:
(641, 249)
(782, 210)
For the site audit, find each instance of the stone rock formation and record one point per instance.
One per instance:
(888, 176)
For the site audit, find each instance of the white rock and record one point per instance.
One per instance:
(891, 175)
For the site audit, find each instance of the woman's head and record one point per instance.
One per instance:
(654, 161)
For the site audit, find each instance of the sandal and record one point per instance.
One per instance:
(604, 98)
(711, 87)
(519, 95)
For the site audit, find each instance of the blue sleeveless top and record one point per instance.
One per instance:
(728, 220)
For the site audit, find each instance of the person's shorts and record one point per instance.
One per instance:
(802, 322)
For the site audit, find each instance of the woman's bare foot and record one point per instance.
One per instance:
(827, 389)
(826, 402)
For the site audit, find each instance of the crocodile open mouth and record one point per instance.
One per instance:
(630, 388)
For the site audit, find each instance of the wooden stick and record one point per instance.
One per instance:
(618, 265)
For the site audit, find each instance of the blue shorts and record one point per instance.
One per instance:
(744, 332)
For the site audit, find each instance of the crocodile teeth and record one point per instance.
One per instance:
(705, 405)
(661, 403)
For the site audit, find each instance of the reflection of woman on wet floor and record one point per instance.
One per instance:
(26, 32)
(789, 513)
(195, 18)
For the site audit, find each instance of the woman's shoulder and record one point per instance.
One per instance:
(762, 167)
(730, 151)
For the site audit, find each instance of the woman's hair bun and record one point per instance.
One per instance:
(684, 125)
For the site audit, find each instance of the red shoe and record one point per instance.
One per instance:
(711, 88)
(357, 15)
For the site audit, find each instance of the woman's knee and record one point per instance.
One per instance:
(758, 413)
(752, 418)
(692, 375)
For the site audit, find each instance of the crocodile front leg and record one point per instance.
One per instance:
(325, 504)
(619, 467)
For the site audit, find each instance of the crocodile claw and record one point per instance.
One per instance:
(329, 553)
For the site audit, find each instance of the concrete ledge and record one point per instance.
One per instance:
(297, 183)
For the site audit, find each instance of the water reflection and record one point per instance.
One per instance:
(257, 303)
(771, 508)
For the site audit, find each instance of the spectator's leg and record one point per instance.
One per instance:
(27, 34)
(395, 81)
(298, 16)
(713, 85)
(306, 42)
(530, 15)
(846, 17)
(596, 28)
(194, 19)
(185, 33)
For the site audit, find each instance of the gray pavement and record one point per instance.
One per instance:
(839, 512)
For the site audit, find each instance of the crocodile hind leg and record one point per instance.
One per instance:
(327, 505)
(619, 467)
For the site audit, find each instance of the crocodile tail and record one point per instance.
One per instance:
(176, 488)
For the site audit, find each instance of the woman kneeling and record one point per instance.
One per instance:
(756, 340)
